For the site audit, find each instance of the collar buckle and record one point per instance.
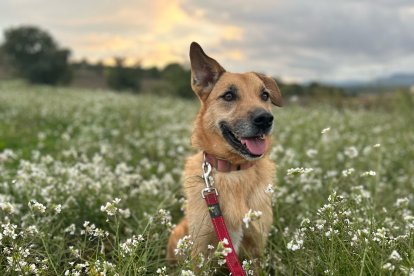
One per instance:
(208, 179)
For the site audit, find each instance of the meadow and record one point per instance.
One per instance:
(90, 185)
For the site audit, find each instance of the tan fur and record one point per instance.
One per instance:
(179, 231)
(238, 191)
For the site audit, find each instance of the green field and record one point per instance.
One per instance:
(90, 183)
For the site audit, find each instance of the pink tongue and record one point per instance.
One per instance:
(256, 146)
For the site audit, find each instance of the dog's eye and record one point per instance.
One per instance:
(265, 96)
(229, 96)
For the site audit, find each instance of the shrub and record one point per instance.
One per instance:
(35, 55)
(178, 80)
(121, 77)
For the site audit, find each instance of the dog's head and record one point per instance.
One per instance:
(235, 120)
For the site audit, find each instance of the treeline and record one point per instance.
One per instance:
(33, 54)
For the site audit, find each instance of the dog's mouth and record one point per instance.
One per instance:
(250, 147)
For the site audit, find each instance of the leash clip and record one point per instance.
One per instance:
(208, 179)
(207, 191)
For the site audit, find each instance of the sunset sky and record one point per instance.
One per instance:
(297, 40)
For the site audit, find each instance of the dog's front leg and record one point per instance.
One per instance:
(202, 232)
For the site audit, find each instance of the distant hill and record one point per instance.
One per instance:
(402, 79)
(395, 80)
(392, 81)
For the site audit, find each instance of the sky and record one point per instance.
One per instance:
(295, 40)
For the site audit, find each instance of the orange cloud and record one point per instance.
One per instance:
(157, 32)
(232, 33)
(236, 55)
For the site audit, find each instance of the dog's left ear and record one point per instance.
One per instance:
(271, 85)
(205, 71)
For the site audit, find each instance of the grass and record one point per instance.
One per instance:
(90, 183)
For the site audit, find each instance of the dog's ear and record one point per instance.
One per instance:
(271, 85)
(205, 71)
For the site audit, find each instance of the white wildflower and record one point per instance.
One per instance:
(201, 260)
(325, 130)
(299, 171)
(251, 216)
(395, 256)
(294, 245)
(247, 265)
(221, 262)
(111, 208)
(222, 251)
(369, 173)
(225, 241)
(7, 154)
(58, 209)
(269, 189)
(351, 152)
(331, 232)
(32, 230)
(130, 245)
(7, 207)
(125, 213)
(311, 153)
(348, 172)
(162, 271)
(187, 273)
(331, 174)
(165, 217)
(380, 234)
(92, 230)
(70, 229)
(305, 222)
(184, 245)
(75, 252)
(9, 230)
(37, 207)
(402, 202)
(388, 267)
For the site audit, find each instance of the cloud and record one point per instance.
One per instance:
(156, 32)
(321, 39)
(295, 39)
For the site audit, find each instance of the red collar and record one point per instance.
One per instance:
(222, 165)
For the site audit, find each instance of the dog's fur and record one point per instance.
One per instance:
(238, 191)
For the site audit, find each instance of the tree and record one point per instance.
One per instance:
(121, 77)
(152, 73)
(178, 80)
(36, 56)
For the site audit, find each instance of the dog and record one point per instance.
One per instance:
(232, 131)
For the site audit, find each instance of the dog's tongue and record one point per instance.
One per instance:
(256, 146)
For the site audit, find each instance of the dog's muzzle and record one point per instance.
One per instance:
(250, 136)
(262, 119)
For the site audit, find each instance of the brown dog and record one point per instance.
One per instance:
(233, 129)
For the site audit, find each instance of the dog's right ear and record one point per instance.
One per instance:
(205, 71)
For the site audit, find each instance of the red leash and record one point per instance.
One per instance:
(210, 195)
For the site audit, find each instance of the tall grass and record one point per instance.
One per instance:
(90, 183)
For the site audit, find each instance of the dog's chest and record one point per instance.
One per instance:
(237, 195)
(240, 192)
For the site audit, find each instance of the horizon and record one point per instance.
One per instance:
(295, 41)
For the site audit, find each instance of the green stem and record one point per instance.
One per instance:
(363, 261)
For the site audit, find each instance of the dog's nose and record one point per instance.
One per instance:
(262, 119)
